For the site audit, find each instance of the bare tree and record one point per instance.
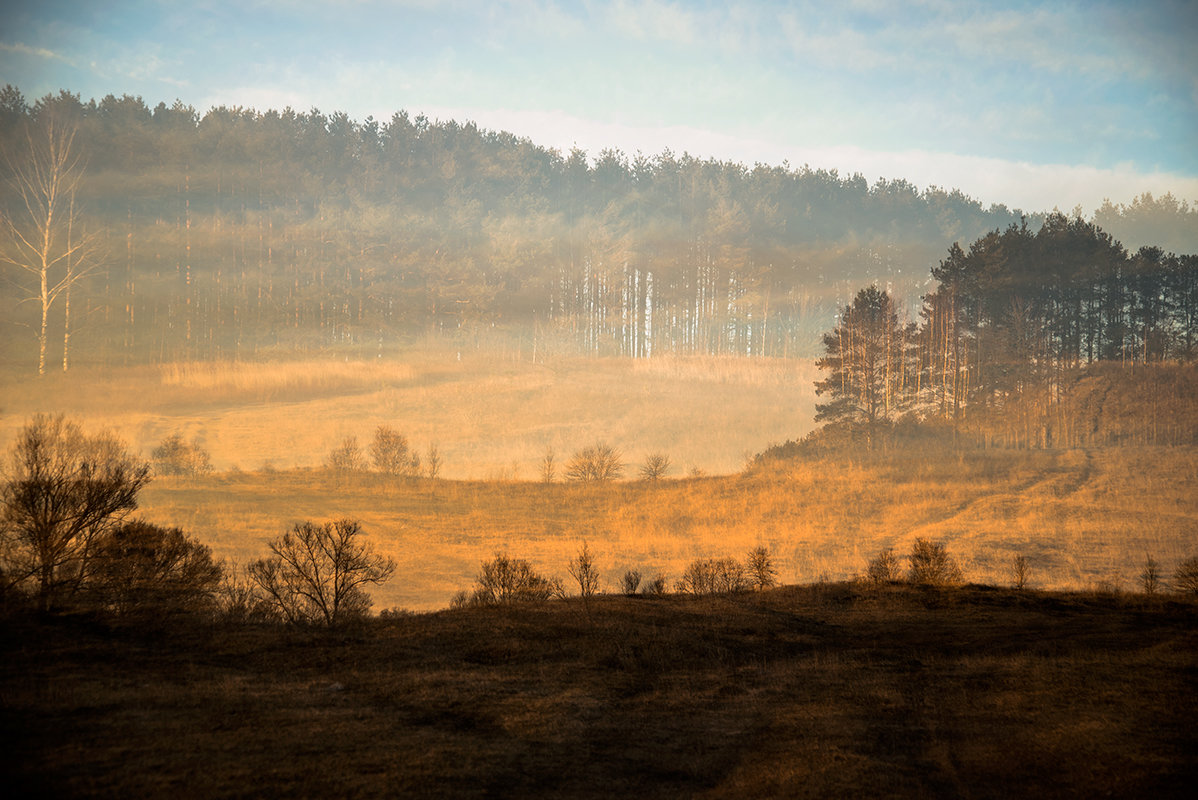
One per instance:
(1150, 577)
(1186, 576)
(1020, 570)
(433, 462)
(599, 463)
(317, 573)
(548, 467)
(62, 491)
(655, 467)
(43, 236)
(582, 569)
(760, 566)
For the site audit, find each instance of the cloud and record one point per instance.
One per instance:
(39, 52)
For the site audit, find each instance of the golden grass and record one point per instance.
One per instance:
(272, 379)
(1083, 520)
(491, 415)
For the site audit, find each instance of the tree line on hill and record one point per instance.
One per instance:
(226, 233)
(1057, 337)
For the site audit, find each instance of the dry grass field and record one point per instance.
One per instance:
(491, 415)
(821, 691)
(1084, 520)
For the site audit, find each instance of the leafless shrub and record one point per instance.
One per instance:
(630, 582)
(931, 565)
(599, 463)
(713, 576)
(391, 454)
(175, 456)
(655, 467)
(1020, 570)
(883, 568)
(1150, 577)
(318, 573)
(347, 457)
(655, 587)
(1186, 576)
(506, 581)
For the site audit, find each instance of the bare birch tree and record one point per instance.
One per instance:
(42, 234)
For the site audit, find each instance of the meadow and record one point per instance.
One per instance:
(1085, 520)
(492, 414)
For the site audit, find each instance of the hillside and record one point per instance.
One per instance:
(821, 691)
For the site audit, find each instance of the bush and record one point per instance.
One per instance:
(174, 456)
(391, 454)
(713, 576)
(1186, 576)
(599, 463)
(884, 568)
(630, 582)
(655, 587)
(931, 564)
(140, 568)
(507, 581)
(347, 457)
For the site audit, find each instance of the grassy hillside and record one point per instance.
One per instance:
(802, 692)
(1084, 519)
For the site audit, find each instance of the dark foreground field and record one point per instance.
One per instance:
(820, 691)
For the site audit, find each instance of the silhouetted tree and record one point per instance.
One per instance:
(63, 490)
(599, 463)
(318, 573)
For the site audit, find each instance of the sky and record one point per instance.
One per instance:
(1035, 105)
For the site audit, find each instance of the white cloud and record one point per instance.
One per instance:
(40, 52)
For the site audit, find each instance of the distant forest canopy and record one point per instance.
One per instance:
(239, 232)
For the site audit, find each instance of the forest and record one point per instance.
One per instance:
(237, 232)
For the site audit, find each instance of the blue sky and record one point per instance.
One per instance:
(1032, 104)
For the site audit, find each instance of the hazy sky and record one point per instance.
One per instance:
(1032, 104)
